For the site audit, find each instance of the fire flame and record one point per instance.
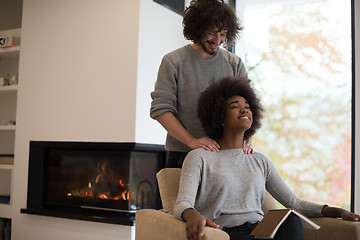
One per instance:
(102, 177)
(103, 196)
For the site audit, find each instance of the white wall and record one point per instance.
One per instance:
(78, 82)
(157, 36)
(76, 58)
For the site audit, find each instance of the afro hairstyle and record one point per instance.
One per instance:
(211, 105)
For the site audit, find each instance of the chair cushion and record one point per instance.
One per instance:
(269, 203)
(168, 180)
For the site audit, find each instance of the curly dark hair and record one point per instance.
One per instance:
(212, 105)
(202, 15)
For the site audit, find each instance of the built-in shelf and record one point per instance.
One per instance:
(9, 88)
(7, 127)
(6, 161)
(10, 52)
(6, 166)
(9, 67)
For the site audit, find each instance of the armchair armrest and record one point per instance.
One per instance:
(152, 224)
(333, 228)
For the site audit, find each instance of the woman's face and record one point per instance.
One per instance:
(238, 115)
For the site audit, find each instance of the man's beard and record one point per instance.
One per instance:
(210, 52)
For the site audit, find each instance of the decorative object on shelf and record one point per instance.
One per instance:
(4, 81)
(13, 80)
(7, 159)
(4, 199)
(9, 41)
(7, 122)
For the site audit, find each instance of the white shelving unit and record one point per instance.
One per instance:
(10, 88)
(9, 65)
(10, 52)
(7, 127)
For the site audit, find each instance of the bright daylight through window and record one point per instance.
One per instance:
(298, 54)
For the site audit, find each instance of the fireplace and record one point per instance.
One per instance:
(104, 182)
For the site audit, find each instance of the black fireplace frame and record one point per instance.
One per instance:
(37, 174)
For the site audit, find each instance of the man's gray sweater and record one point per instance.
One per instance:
(183, 75)
(228, 187)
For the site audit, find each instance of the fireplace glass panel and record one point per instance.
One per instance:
(121, 180)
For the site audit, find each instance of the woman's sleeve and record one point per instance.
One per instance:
(189, 184)
(283, 194)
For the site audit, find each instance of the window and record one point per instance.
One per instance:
(298, 54)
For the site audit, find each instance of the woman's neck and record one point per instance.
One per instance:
(231, 141)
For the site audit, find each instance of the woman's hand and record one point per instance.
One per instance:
(206, 143)
(195, 224)
(339, 212)
(349, 216)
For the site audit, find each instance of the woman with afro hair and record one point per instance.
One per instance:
(226, 189)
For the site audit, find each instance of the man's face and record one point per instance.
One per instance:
(213, 39)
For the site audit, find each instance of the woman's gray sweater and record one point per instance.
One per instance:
(228, 187)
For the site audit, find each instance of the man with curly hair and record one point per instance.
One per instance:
(187, 71)
(226, 189)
